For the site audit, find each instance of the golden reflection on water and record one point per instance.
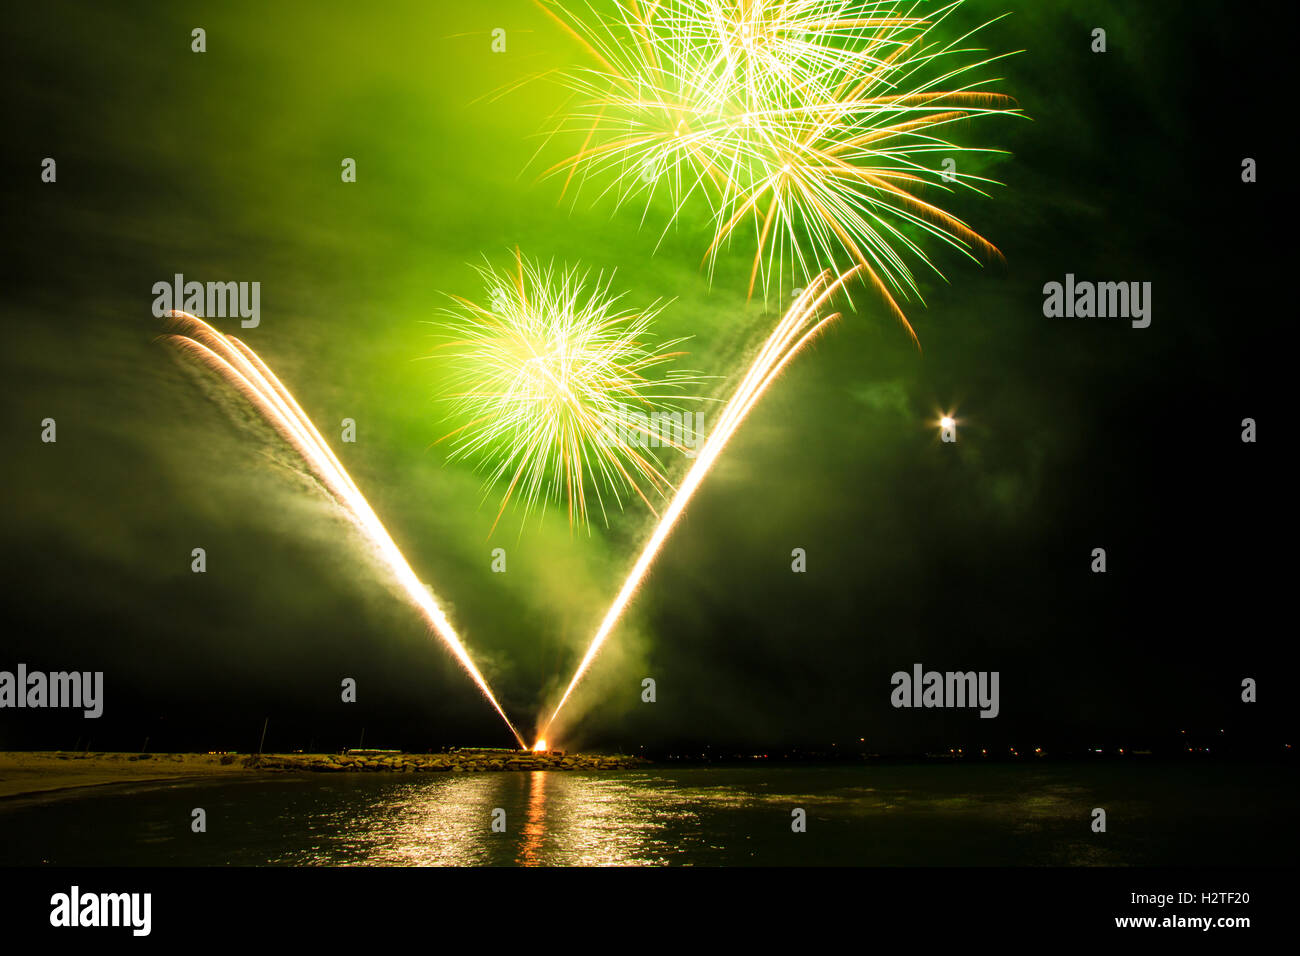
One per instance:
(533, 827)
(645, 819)
(899, 815)
(447, 821)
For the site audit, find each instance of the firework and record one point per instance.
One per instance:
(813, 125)
(796, 329)
(565, 391)
(240, 366)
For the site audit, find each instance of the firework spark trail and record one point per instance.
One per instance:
(799, 325)
(241, 367)
(814, 124)
(550, 376)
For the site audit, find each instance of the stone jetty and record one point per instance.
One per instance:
(456, 761)
(28, 773)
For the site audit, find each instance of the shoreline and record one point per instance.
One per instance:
(34, 773)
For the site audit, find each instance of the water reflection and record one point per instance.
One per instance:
(899, 815)
(533, 827)
(562, 819)
(573, 819)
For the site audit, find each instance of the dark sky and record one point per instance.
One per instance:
(1075, 434)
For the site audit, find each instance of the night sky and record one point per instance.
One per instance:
(1075, 433)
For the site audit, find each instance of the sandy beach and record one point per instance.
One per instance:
(29, 772)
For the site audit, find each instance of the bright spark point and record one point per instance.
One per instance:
(813, 125)
(558, 383)
(540, 746)
(798, 327)
(947, 422)
(240, 366)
